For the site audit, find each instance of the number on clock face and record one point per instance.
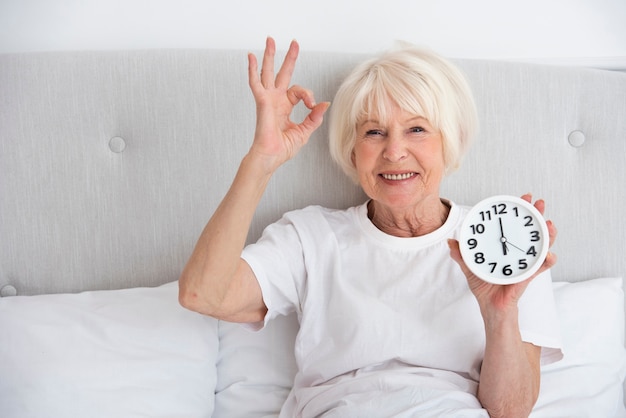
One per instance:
(504, 240)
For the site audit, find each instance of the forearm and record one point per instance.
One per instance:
(216, 281)
(208, 276)
(509, 379)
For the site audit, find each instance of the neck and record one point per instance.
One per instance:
(414, 222)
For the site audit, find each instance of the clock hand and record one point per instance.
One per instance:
(515, 246)
(505, 250)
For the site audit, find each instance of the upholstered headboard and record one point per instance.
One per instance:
(112, 162)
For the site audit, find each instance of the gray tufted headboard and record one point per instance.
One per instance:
(112, 162)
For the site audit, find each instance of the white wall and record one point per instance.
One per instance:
(587, 32)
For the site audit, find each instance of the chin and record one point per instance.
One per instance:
(402, 201)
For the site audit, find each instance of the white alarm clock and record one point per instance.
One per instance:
(504, 240)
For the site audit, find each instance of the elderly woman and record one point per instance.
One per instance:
(392, 323)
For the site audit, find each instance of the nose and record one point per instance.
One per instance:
(395, 148)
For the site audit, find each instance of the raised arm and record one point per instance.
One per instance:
(510, 375)
(216, 281)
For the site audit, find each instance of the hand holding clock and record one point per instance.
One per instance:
(492, 228)
(499, 264)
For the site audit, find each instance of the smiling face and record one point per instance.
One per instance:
(399, 161)
(419, 81)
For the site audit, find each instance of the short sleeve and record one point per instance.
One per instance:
(278, 263)
(538, 318)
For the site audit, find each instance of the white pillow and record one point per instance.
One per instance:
(121, 353)
(255, 370)
(588, 381)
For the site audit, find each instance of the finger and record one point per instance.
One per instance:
(315, 118)
(253, 74)
(267, 69)
(552, 232)
(455, 253)
(283, 78)
(548, 263)
(297, 93)
(550, 260)
(540, 205)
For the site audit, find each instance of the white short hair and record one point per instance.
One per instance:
(416, 80)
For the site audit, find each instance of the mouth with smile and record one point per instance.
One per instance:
(398, 176)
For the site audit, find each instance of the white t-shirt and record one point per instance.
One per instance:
(385, 322)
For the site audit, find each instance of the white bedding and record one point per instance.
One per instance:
(403, 393)
(136, 352)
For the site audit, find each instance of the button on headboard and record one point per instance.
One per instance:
(112, 162)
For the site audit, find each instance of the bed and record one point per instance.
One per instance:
(111, 163)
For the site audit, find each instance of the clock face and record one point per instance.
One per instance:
(504, 240)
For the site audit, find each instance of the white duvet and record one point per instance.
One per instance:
(390, 390)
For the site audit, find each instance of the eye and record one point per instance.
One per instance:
(374, 132)
(417, 130)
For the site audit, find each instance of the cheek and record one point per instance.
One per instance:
(434, 157)
(368, 151)
(361, 157)
(364, 161)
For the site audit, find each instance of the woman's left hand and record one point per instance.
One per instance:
(501, 297)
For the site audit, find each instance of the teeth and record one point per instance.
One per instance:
(398, 176)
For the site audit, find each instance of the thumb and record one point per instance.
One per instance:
(455, 251)
(455, 254)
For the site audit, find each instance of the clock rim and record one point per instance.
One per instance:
(542, 225)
